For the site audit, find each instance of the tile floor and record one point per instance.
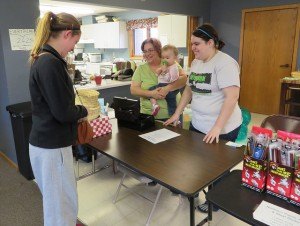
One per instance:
(96, 194)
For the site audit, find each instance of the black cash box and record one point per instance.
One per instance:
(127, 112)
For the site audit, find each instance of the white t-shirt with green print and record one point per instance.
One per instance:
(207, 81)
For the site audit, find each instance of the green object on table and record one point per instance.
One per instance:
(246, 116)
(242, 136)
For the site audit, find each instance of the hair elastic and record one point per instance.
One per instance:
(65, 29)
(215, 39)
(199, 29)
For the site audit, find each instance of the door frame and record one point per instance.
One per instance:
(296, 40)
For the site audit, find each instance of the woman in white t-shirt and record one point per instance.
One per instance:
(214, 87)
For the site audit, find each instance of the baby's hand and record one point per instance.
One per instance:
(164, 69)
(158, 71)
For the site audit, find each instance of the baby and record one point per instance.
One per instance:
(167, 73)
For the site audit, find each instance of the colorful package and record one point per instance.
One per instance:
(254, 173)
(255, 159)
(258, 142)
(279, 180)
(295, 190)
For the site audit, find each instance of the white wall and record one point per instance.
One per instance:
(14, 67)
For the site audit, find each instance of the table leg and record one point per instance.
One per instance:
(93, 161)
(192, 210)
(209, 206)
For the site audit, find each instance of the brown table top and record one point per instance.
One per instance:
(184, 163)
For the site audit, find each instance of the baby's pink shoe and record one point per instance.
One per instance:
(155, 109)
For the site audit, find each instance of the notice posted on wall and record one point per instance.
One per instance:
(21, 39)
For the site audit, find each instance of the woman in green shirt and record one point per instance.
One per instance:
(145, 77)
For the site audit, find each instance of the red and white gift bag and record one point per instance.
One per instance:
(101, 126)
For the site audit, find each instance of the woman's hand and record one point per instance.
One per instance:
(164, 91)
(213, 134)
(174, 119)
(164, 69)
(82, 119)
(156, 94)
(158, 71)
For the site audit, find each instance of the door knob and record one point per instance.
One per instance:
(284, 65)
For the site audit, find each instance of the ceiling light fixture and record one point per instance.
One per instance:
(70, 9)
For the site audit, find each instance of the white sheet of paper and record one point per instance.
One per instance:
(232, 144)
(273, 215)
(160, 135)
(21, 39)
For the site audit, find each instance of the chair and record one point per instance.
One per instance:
(282, 122)
(126, 171)
(92, 154)
(291, 99)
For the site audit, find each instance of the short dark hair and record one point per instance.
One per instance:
(207, 32)
(156, 45)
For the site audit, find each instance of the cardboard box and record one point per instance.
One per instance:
(295, 190)
(279, 181)
(254, 173)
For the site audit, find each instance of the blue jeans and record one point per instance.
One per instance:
(170, 98)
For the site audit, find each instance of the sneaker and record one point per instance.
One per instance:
(155, 109)
(204, 208)
(152, 183)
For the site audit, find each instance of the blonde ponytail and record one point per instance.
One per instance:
(50, 26)
(42, 34)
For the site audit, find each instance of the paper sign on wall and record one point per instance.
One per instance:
(21, 39)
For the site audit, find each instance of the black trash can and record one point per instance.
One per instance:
(21, 121)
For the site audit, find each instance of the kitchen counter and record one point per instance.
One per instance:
(105, 84)
(110, 88)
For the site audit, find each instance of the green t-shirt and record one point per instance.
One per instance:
(148, 78)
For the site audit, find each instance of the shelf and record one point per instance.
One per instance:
(294, 88)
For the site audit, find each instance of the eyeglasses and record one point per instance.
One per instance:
(148, 51)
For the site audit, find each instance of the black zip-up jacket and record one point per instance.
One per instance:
(54, 113)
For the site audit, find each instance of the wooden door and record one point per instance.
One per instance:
(193, 23)
(267, 54)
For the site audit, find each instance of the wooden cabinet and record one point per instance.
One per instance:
(172, 29)
(111, 35)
